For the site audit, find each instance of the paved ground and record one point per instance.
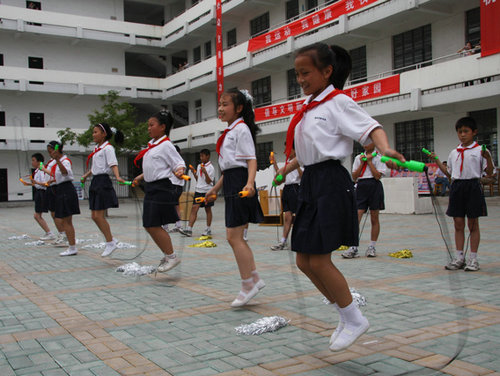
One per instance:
(76, 315)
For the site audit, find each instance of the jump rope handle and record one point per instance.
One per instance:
(243, 194)
(185, 177)
(410, 165)
(483, 147)
(82, 183)
(271, 158)
(56, 147)
(425, 151)
(127, 182)
(41, 164)
(200, 200)
(363, 157)
(278, 179)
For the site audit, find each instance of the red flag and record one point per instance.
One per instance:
(218, 49)
(490, 27)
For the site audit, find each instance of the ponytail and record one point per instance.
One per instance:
(110, 132)
(243, 98)
(323, 55)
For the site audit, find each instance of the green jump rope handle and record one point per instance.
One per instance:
(125, 183)
(41, 164)
(410, 165)
(82, 183)
(363, 158)
(425, 151)
(278, 179)
(56, 147)
(483, 147)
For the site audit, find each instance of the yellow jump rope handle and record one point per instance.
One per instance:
(185, 177)
(200, 200)
(243, 194)
(271, 157)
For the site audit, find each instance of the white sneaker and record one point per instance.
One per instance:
(472, 265)
(371, 251)
(337, 331)
(279, 247)
(110, 248)
(351, 252)
(260, 284)
(50, 236)
(244, 297)
(61, 241)
(167, 263)
(207, 232)
(349, 334)
(68, 252)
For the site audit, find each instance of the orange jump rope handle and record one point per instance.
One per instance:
(185, 177)
(243, 194)
(200, 200)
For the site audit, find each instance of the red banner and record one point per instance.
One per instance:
(385, 86)
(218, 49)
(305, 24)
(490, 27)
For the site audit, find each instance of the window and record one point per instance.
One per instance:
(231, 38)
(412, 47)
(262, 152)
(412, 136)
(311, 4)
(2, 118)
(196, 54)
(358, 56)
(292, 10)
(35, 62)
(35, 5)
(293, 85)
(1, 63)
(472, 27)
(197, 110)
(37, 120)
(261, 91)
(208, 49)
(487, 130)
(259, 25)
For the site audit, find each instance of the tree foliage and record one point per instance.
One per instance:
(119, 115)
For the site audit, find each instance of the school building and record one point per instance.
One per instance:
(58, 56)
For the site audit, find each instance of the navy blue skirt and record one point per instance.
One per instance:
(40, 201)
(240, 211)
(50, 197)
(326, 216)
(102, 195)
(370, 194)
(289, 198)
(178, 191)
(467, 199)
(159, 203)
(66, 200)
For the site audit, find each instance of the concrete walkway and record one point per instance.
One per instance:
(77, 316)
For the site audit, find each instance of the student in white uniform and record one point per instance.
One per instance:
(178, 188)
(160, 162)
(39, 181)
(66, 197)
(205, 176)
(102, 195)
(288, 201)
(367, 170)
(237, 160)
(323, 132)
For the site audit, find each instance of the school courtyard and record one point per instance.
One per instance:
(78, 316)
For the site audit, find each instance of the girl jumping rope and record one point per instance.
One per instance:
(237, 160)
(160, 163)
(322, 133)
(102, 195)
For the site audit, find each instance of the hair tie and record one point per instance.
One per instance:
(247, 95)
(113, 129)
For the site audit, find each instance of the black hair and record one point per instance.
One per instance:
(56, 145)
(205, 151)
(39, 157)
(240, 99)
(466, 122)
(119, 137)
(165, 117)
(323, 55)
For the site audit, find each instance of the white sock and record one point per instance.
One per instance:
(283, 240)
(171, 256)
(178, 224)
(247, 284)
(72, 247)
(255, 276)
(372, 243)
(341, 314)
(111, 242)
(459, 254)
(189, 228)
(351, 314)
(165, 227)
(473, 255)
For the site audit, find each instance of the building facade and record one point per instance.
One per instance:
(57, 57)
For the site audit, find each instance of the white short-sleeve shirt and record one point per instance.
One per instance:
(40, 177)
(474, 163)
(161, 161)
(238, 146)
(60, 178)
(104, 159)
(201, 184)
(328, 130)
(379, 165)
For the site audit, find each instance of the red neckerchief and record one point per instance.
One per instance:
(363, 169)
(290, 134)
(53, 169)
(96, 149)
(151, 145)
(461, 152)
(220, 141)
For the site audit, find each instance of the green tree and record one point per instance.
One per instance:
(119, 115)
